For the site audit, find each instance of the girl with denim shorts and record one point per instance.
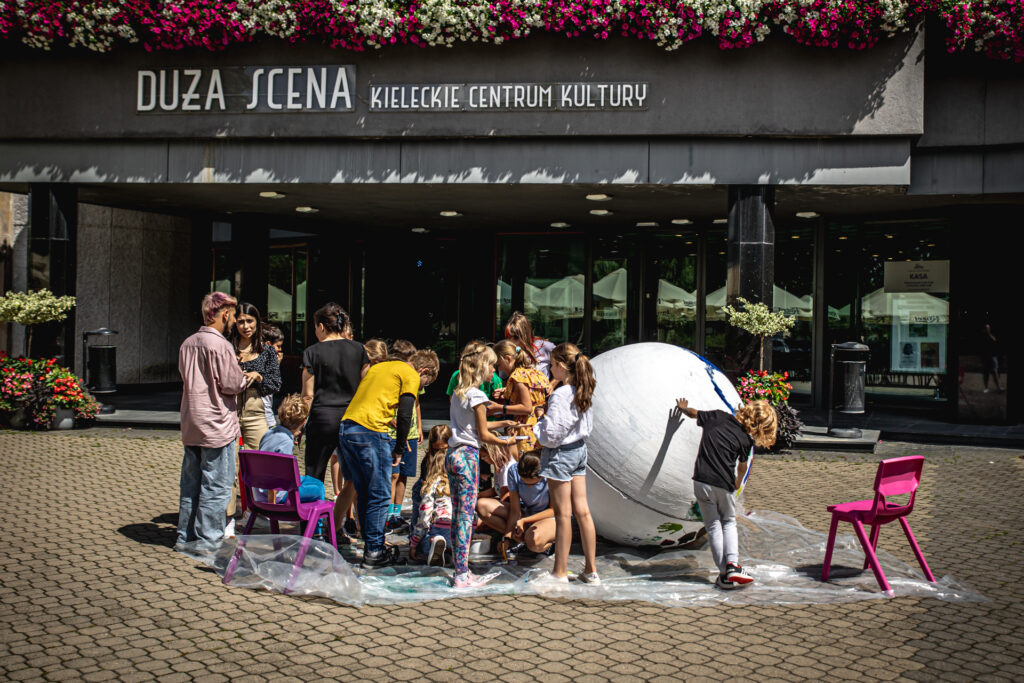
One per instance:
(563, 432)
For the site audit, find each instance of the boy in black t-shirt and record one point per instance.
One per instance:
(726, 441)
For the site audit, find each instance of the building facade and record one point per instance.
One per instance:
(613, 191)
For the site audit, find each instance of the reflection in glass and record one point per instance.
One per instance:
(793, 294)
(675, 265)
(286, 295)
(716, 326)
(907, 331)
(544, 279)
(611, 291)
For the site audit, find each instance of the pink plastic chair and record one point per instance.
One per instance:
(895, 477)
(279, 472)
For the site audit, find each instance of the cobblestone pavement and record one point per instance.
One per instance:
(91, 590)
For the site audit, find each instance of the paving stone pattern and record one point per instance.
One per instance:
(91, 590)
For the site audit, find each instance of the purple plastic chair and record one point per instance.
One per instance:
(279, 472)
(895, 477)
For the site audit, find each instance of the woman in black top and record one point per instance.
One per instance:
(263, 376)
(262, 373)
(331, 371)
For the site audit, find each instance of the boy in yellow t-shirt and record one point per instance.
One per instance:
(367, 454)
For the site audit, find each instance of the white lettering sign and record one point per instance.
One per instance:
(256, 90)
(476, 97)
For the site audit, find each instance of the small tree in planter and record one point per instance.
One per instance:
(34, 308)
(760, 321)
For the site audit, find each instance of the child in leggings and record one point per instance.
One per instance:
(721, 465)
(470, 429)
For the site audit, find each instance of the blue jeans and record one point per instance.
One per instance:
(367, 458)
(206, 478)
(417, 498)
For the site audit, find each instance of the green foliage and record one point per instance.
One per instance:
(41, 386)
(34, 307)
(758, 319)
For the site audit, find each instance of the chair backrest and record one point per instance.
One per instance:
(264, 470)
(896, 477)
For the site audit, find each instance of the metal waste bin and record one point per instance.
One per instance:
(851, 372)
(101, 363)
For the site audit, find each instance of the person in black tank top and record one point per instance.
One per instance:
(331, 371)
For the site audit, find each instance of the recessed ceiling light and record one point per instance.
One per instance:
(796, 237)
(681, 221)
(687, 241)
(721, 253)
(843, 237)
(930, 244)
(719, 221)
(647, 224)
(807, 214)
(678, 235)
(559, 224)
(599, 197)
(420, 231)
(600, 212)
(450, 214)
(306, 209)
(270, 194)
(889, 237)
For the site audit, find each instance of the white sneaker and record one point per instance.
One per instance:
(592, 578)
(435, 558)
(229, 530)
(548, 581)
(471, 580)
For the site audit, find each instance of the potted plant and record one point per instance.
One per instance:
(773, 387)
(760, 321)
(40, 394)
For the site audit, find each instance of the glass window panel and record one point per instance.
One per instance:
(549, 275)
(716, 326)
(675, 267)
(907, 331)
(793, 295)
(222, 275)
(301, 260)
(611, 294)
(279, 294)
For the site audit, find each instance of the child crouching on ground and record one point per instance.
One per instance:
(434, 515)
(437, 440)
(281, 439)
(716, 476)
(527, 517)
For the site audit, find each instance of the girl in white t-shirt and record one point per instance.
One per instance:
(563, 432)
(470, 429)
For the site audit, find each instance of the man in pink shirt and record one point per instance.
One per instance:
(209, 424)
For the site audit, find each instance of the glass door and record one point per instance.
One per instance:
(670, 290)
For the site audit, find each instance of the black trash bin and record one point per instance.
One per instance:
(101, 363)
(850, 373)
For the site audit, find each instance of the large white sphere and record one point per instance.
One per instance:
(639, 457)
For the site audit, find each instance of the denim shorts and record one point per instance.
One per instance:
(407, 465)
(565, 462)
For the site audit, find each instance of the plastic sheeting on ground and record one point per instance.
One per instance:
(784, 557)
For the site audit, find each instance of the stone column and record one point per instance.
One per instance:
(751, 261)
(53, 237)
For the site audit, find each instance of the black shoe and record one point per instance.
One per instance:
(350, 526)
(385, 557)
(396, 525)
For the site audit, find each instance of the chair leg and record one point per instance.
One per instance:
(238, 547)
(828, 549)
(274, 527)
(873, 537)
(872, 558)
(917, 549)
(303, 549)
(330, 525)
